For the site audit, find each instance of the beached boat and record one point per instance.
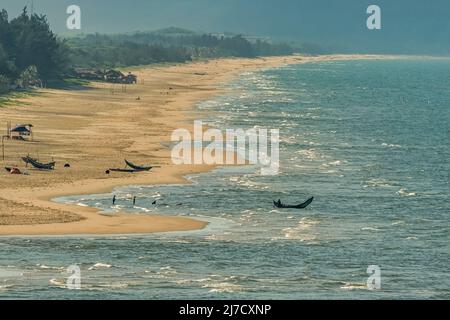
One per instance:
(39, 165)
(298, 206)
(137, 168)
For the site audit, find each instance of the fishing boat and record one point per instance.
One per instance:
(303, 205)
(38, 165)
(137, 168)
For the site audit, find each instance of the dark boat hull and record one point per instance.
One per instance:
(299, 206)
(38, 165)
(137, 168)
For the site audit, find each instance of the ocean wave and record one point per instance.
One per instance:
(370, 229)
(224, 287)
(301, 231)
(309, 154)
(100, 265)
(5, 287)
(379, 183)
(167, 270)
(45, 267)
(405, 193)
(60, 283)
(113, 285)
(354, 286)
(216, 283)
(391, 145)
(81, 204)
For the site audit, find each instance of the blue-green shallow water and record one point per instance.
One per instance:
(368, 139)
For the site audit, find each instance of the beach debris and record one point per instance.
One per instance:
(67, 165)
(107, 172)
(13, 170)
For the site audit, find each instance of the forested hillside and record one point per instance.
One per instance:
(31, 54)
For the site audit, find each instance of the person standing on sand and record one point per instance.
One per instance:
(114, 200)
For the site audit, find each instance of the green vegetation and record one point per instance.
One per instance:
(29, 51)
(14, 97)
(167, 45)
(32, 55)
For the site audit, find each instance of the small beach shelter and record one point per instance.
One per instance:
(21, 130)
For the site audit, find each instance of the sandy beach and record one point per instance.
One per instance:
(95, 128)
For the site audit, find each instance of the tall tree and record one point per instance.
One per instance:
(7, 47)
(38, 45)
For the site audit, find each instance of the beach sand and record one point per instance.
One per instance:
(95, 128)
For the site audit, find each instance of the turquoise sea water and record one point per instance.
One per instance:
(368, 139)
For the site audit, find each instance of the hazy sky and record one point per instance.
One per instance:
(408, 26)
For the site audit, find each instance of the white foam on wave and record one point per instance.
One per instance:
(370, 229)
(390, 145)
(379, 183)
(310, 154)
(45, 267)
(405, 193)
(215, 283)
(166, 272)
(5, 287)
(301, 231)
(224, 287)
(354, 286)
(114, 285)
(60, 283)
(82, 204)
(100, 265)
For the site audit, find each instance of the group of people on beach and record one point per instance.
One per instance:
(115, 198)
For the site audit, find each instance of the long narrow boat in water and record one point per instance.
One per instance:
(303, 205)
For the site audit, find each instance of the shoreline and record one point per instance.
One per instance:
(177, 88)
